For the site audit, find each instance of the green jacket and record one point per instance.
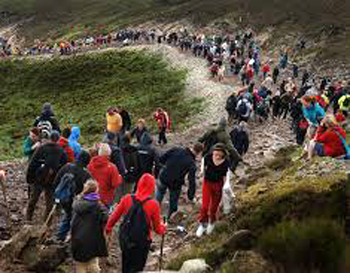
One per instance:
(27, 147)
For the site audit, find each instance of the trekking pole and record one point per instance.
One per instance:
(47, 223)
(161, 251)
(3, 187)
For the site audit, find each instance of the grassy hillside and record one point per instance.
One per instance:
(81, 88)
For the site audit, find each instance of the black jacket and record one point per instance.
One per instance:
(117, 158)
(179, 162)
(49, 156)
(148, 155)
(48, 116)
(126, 120)
(138, 133)
(81, 175)
(88, 224)
(240, 140)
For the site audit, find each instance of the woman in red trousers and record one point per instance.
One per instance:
(216, 172)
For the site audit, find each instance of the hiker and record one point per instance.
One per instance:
(214, 69)
(313, 113)
(266, 70)
(116, 154)
(268, 83)
(141, 215)
(126, 119)
(275, 74)
(305, 78)
(240, 138)
(47, 118)
(344, 104)
(231, 105)
(216, 169)
(163, 125)
(69, 183)
(88, 242)
(328, 140)
(243, 109)
(276, 104)
(64, 143)
(73, 141)
(114, 122)
(132, 164)
(286, 100)
(139, 130)
(148, 155)
(295, 71)
(106, 174)
(178, 163)
(219, 135)
(42, 169)
(31, 143)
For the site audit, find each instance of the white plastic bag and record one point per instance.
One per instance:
(228, 197)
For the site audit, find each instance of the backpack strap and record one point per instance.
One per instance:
(134, 200)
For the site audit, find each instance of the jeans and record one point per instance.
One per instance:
(35, 193)
(65, 220)
(174, 195)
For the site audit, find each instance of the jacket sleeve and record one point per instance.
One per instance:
(163, 159)
(156, 163)
(118, 212)
(27, 147)
(157, 222)
(119, 160)
(116, 179)
(192, 181)
(34, 165)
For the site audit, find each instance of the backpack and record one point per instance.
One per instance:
(242, 108)
(64, 193)
(346, 146)
(132, 164)
(45, 125)
(210, 141)
(134, 230)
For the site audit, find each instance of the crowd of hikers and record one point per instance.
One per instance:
(115, 180)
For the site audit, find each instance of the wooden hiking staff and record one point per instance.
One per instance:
(4, 191)
(161, 251)
(46, 225)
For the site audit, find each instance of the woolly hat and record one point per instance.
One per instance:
(221, 148)
(55, 136)
(104, 150)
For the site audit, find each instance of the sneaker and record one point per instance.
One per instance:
(210, 229)
(200, 231)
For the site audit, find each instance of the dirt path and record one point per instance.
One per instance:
(264, 137)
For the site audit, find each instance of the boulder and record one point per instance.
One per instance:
(195, 266)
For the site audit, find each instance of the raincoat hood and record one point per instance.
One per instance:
(99, 161)
(145, 187)
(75, 135)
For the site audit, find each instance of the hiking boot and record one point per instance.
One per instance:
(210, 228)
(200, 231)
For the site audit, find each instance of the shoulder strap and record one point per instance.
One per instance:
(134, 200)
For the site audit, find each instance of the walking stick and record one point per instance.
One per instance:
(161, 251)
(3, 187)
(46, 225)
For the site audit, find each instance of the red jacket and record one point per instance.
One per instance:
(145, 189)
(266, 68)
(69, 151)
(332, 145)
(107, 176)
(163, 120)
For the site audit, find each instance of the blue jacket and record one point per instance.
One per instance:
(73, 141)
(314, 114)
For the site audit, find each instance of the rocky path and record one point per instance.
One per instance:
(264, 138)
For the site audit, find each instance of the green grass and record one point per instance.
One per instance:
(82, 87)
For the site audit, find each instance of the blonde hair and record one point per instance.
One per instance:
(90, 186)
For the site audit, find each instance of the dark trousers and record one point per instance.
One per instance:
(35, 193)
(174, 195)
(162, 136)
(134, 259)
(65, 221)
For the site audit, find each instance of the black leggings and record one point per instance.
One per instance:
(162, 136)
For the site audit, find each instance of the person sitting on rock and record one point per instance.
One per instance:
(329, 139)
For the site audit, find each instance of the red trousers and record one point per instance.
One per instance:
(212, 194)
